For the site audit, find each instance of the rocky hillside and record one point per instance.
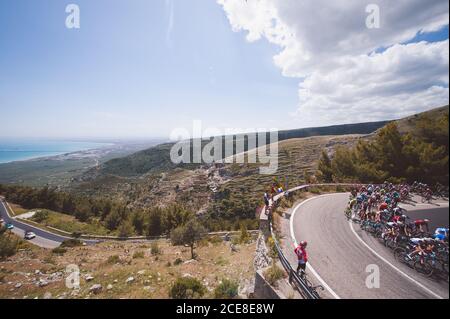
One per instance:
(124, 270)
(149, 178)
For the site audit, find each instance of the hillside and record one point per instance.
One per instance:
(412, 149)
(157, 159)
(409, 124)
(226, 195)
(149, 177)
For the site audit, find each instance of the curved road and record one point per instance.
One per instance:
(43, 238)
(340, 252)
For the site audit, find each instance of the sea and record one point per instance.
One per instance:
(20, 150)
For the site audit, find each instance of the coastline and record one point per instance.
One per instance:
(55, 155)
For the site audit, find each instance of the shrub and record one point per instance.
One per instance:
(187, 288)
(77, 234)
(126, 229)
(138, 254)
(221, 261)
(178, 261)
(273, 274)
(59, 250)
(245, 236)
(8, 246)
(114, 259)
(215, 240)
(227, 289)
(155, 249)
(40, 216)
(272, 248)
(314, 190)
(71, 243)
(49, 259)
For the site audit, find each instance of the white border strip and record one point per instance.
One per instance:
(313, 271)
(392, 266)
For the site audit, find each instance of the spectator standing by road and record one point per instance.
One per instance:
(266, 199)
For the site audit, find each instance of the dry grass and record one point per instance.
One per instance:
(113, 263)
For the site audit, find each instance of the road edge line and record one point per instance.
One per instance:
(311, 268)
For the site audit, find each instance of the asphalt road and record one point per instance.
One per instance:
(43, 238)
(339, 253)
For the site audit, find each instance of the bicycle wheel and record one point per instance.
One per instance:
(400, 254)
(424, 268)
(391, 244)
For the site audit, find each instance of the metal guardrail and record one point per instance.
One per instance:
(305, 288)
(302, 285)
(64, 235)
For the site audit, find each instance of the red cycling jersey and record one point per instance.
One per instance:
(419, 222)
(301, 253)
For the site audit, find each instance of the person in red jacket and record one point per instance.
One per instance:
(302, 257)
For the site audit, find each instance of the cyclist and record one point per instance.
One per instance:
(302, 257)
(420, 224)
(441, 234)
(419, 247)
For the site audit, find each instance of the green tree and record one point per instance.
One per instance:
(126, 229)
(8, 245)
(155, 223)
(325, 171)
(188, 234)
(113, 220)
(342, 164)
(138, 221)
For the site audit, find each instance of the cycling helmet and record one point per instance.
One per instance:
(303, 244)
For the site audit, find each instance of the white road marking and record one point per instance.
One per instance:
(309, 267)
(392, 266)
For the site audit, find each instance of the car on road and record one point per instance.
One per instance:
(9, 226)
(29, 235)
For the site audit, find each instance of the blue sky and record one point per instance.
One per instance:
(122, 66)
(141, 69)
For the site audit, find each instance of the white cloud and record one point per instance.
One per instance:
(327, 45)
